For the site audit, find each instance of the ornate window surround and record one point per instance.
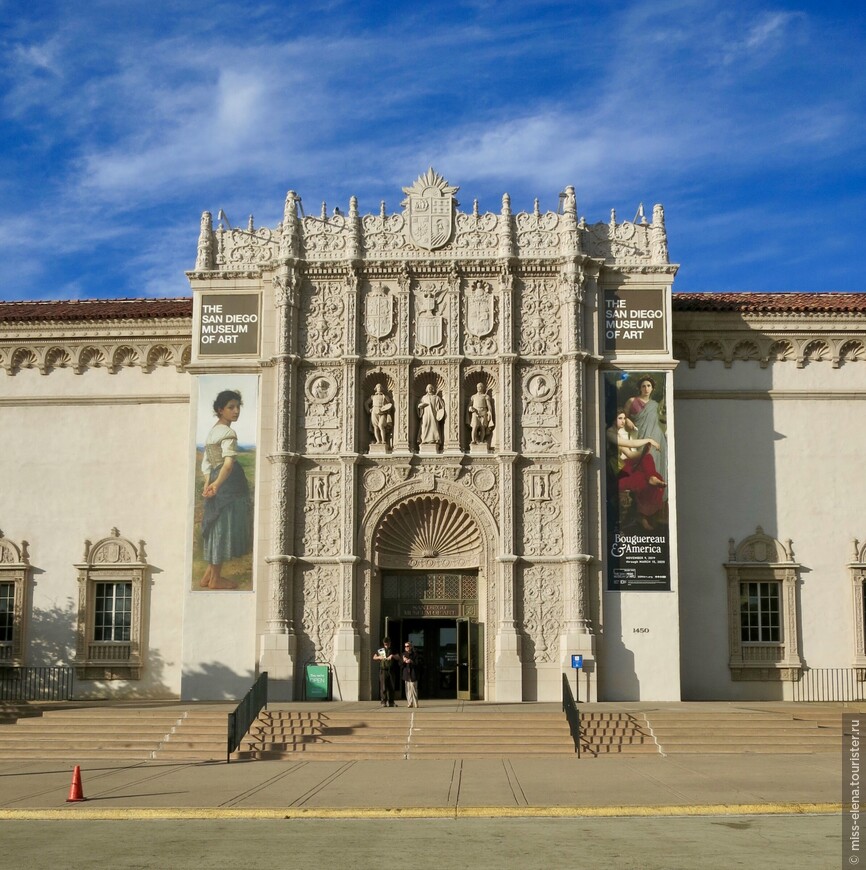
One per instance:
(858, 581)
(15, 568)
(760, 558)
(110, 560)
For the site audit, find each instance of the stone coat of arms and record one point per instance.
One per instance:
(379, 312)
(430, 210)
(479, 321)
(428, 324)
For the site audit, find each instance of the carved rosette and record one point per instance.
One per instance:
(380, 479)
(483, 481)
(317, 599)
(539, 318)
(542, 617)
(321, 322)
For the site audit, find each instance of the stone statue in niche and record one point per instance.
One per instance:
(479, 416)
(380, 408)
(431, 412)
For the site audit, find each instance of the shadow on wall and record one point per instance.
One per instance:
(620, 683)
(51, 641)
(50, 638)
(212, 681)
(726, 446)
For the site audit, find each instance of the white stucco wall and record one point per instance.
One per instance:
(775, 447)
(86, 453)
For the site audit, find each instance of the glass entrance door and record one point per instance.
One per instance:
(470, 660)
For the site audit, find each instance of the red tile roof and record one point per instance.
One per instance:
(94, 309)
(154, 309)
(772, 303)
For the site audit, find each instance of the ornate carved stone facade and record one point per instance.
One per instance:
(437, 361)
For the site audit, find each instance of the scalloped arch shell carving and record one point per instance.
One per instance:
(427, 527)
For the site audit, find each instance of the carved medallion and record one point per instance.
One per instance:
(374, 480)
(430, 210)
(379, 312)
(320, 388)
(480, 309)
(484, 480)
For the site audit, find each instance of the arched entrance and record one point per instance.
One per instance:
(432, 581)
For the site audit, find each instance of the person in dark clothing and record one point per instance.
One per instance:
(388, 663)
(411, 667)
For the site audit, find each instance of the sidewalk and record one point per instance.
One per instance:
(685, 785)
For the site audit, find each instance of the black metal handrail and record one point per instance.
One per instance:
(52, 683)
(246, 713)
(830, 684)
(572, 714)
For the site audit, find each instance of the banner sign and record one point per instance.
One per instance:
(229, 324)
(634, 320)
(638, 545)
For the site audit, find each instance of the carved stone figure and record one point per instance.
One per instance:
(379, 406)
(479, 415)
(431, 411)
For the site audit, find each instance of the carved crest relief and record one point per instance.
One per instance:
(429, 326)
(479, 321)
(430, 210)
(379, 312)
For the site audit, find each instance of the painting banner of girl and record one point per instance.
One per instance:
(225, 480)
(638, 547)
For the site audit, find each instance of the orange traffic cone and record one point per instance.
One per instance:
(76, 793)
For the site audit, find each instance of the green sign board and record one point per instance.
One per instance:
(317, 682)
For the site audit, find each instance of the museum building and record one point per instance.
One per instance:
(498, 435)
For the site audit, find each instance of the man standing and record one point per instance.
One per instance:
(388, 661)
(410, 674)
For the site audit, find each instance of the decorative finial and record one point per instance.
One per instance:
(324, 210)
(251, 227)
(569, 204)
(506, 204)
(382, 213)
(353, 207)
(475, 208)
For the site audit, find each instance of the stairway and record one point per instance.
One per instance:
(743, 730)
(604, 734)
(405, 734)
(92, 733)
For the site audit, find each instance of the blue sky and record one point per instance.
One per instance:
(120, 124)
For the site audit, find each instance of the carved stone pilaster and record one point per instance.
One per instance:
(506, 503)
(506, 285)
(404, 282)
(453, 401)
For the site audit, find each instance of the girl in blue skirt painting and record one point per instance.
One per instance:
(226, 522)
